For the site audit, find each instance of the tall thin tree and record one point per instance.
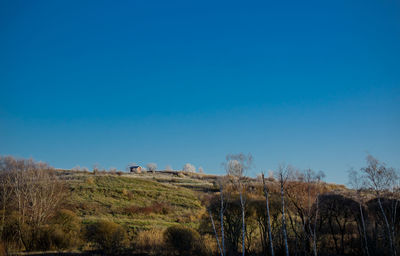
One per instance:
(222, 209)
(268, 216)
(236, 165)
(283, 175)
(381, 179)
(356, 183)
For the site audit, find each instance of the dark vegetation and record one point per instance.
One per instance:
(178, 213)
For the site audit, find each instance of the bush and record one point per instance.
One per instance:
(38, 238)
(108, 236)
(150, 242)
(62, 232)
(184, 241)
(66, 230)
(90, 181)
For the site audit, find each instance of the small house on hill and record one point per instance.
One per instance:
(135, 169)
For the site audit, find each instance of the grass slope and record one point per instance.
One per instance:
(135, 202)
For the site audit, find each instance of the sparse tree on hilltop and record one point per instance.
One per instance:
(188, 167)
(201, 170)
(151, 167)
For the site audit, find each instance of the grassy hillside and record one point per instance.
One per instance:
(142, 201)
(136, 201)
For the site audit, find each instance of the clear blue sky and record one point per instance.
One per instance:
(315, 84)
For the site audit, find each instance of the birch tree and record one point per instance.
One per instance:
(356, 183)
(151, 167)
(381, 179)
(222, 205)
(283, 176)
(188, 167)
(236, 165)
(215, 232)
(266, 194)
(222, 210)
(312, 180)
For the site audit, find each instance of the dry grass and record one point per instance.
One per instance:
(156, 207)
(150, 241)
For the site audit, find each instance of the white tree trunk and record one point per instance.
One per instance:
(215, 232)
(364, 231)
(243, 224)
(394, 218)
(222, 221)
(314, 232)
(284, 222)
(268, 217)
(392, 251)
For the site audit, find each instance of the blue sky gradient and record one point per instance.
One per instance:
(315, 84)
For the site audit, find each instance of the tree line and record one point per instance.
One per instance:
(297, 213)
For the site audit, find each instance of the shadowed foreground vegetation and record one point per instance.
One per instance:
(183, 213)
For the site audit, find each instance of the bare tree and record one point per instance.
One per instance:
(222, 206)
(282, 176)
(395, 194)
(268, 216)
(6, 165)
(312, 179)
(215, 232)
(222, 210)
(188, 167)
(381, 179)
(37, 194)
(201, 170)
(236, 165)
(151, 167)
(356, 182)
